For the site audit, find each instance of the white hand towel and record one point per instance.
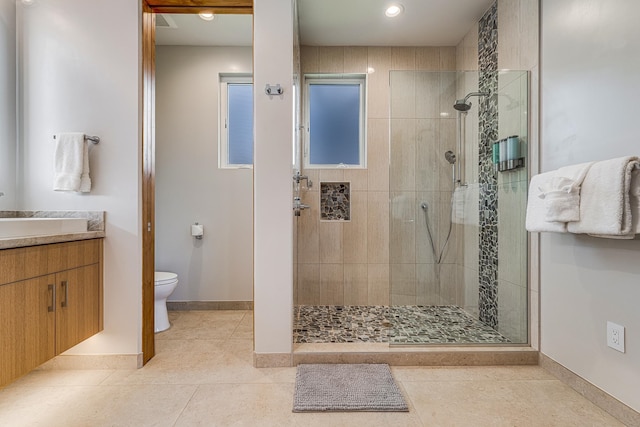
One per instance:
(68, 161)
(576, 173)
(605, 202)
(562, 198)
(457, 205)
(536, 210)
(85, 179)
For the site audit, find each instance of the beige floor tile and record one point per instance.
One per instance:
(194, 381)
(203, 325)
(244, 330)
(61, 378)
(93, 405)
(543, 403)
(233, 365)
(240, 404)
(271, 405)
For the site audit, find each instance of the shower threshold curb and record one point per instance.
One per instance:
(423, 356)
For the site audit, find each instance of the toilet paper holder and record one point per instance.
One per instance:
(197, 231)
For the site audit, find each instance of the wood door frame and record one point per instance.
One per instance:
(149, 9)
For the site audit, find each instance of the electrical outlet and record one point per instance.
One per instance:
(615, 336)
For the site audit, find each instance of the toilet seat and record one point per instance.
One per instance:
(164, 278)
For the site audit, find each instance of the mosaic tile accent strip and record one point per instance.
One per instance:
(335, 201)
(488, 113)
(398, 325)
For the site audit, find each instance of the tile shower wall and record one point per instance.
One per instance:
(348, 263)
(517, 49)
(423, 128)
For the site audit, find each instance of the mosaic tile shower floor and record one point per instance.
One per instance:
(395, 325)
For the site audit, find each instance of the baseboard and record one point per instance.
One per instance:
(272, 360)
(90, 361)
(598, 397)
(209, 305)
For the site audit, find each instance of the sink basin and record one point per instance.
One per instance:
(25, 227)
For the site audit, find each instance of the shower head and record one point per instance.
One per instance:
(424, 206)
(451, 158)
(463, 105)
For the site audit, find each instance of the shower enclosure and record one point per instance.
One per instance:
(438, 254)
(458, 247)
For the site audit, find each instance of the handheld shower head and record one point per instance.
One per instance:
(451, 158)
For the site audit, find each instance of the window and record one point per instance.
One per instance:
(335, 116)
(236, 122)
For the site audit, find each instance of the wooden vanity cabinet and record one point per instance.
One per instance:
(50, 300)
(78, 306)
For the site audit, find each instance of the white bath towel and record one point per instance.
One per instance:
(562, 197)
(605, 200)
(536, 210)
(68, 161)
(634, 196)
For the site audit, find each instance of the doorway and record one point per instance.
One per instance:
(150, 9)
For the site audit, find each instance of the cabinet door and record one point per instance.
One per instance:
(78, 309)
(27, 326)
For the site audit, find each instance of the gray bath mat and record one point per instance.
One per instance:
(365, 387)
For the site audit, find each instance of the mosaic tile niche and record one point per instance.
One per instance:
(488, 82)
(335, 201)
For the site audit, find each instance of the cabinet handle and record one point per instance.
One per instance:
(52, 307)
(65, 286)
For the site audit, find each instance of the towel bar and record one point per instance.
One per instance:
(93, 139)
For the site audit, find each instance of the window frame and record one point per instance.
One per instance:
(336, 79)
(223, 116)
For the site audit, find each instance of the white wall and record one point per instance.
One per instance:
(7, 104)
(80, 72)
(589, 80)
(273, 217)
(189, 185)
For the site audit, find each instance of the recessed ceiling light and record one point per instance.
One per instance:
(207, 16)
(394, 10)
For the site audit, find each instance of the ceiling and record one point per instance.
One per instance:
(341, 23)
(190, 30)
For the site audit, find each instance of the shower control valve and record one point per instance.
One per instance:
(298, 206)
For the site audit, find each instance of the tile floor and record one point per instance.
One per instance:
(402, 325)
(202, 375)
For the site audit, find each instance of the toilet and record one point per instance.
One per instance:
(165, 284)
